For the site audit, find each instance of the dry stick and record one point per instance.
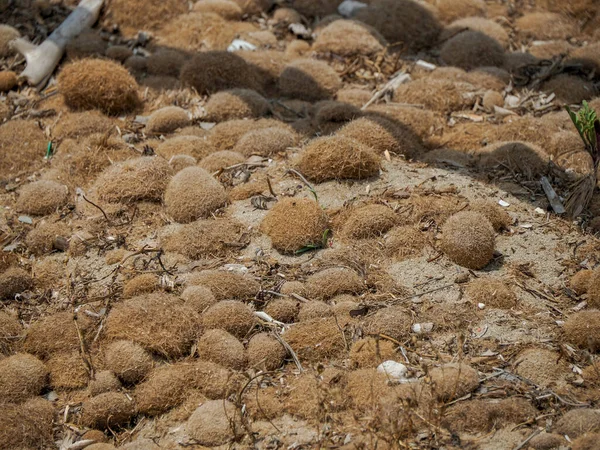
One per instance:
(84, 356)
(305, 181)
(93, 204)
(289, 349)
(398, 79)
(531, 436)
(271, 187)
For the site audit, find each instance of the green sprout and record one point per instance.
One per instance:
(49, 150)
(310, 247)
(586, 122)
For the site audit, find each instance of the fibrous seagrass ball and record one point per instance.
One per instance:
(338, 158)
(451, 10)
(266, 141)
(57, 333)
(347, 38)
(328, 283)
(220, 160)
(313, 9)
(141, 284)
(309, 79)
(330, 115)
(158, 322)
(215, 423)
(406, 23)
(225, 135)
(232, 316)
(198, 297)
(545, 26)
(107, 410)
(542, 366)
(286, 16)
(180, 162)
(316, 340)
(205, 238)
(283, 309)
(497, 216)
(471, 49)
(492, 293)
(588, 441)
(214, 71)
(485, 26)
(22, 376)
(265, 352)
(370, 352)
(369, 221)
(193, 194)
(195, 146)
(42, 197)
(294, 224)
(101, 446)
(227, 9)
(546, 441)
(226, 285)
(382, 134)
(8, 80)
(128, 360)
(293, 287)
(570, 89)
(10, 333)
(235, 104)
(314, 310)
(583, 329)
(167, 120)
(134, 15)
(7, 34)
(104, 381)
(28, 425)
(144, 178)
(67, 371)
(491, 99)
(580, 282)
(578, 421)
(393, 322)
(98, 84)
(85, 123)
(222, 348)
(453, 380)
(13, 281)
(468, 240)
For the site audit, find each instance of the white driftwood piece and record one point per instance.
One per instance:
(42, 59)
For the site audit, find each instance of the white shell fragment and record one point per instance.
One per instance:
(422, 328)
(348, 7)
(240, 44)
(395, 370)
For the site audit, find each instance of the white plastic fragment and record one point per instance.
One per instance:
(425, 65)
(540, 211)
(240, 44)
(481, 305)
(422, 328)
(348, 7)
(503, 203)
(267, 318)
(395, 370)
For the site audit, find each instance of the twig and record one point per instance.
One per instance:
(305, 181)
(398, 79)
(289, 349)
(271, 188)
(93, 204)
(84, 356)
(530, 437)
(343, 334)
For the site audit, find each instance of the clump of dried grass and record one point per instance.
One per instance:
(468, 240)
(28, 425)
(543, 26)
(577, 422)
(265, 352)
(542, 366)
(436, 95)
(369, 221)
(144, 178)
(221, 347)
(581, 280)
(104, 381)
(370, 352)
(266, 142)
(393, 322)
(492, 293)
(78, 124)
(194, 146)
(198, 297)
(193, 194)
(316, 340)
(10, 333)
(314, 310)
(143, 14)
(22, 376)
(225, 135)
(98, 84)
(294, 224)
(7, 34)
(570, 89)
(128, 360)
(160, 323)
(583, 329)
(330, 115)
(202, 32)
(451, 10)
(328, 283)
(227, 9)
(107, 410)
(497, 216)
(521, 157)
(231, 316)
(338, 158)
(480, 24)
(88, 44)
(347, 38)
(405, 242)
(283, 309)
(140, 284)
(471, 49)
(42, 197)
(226, 284)
(67, 371)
